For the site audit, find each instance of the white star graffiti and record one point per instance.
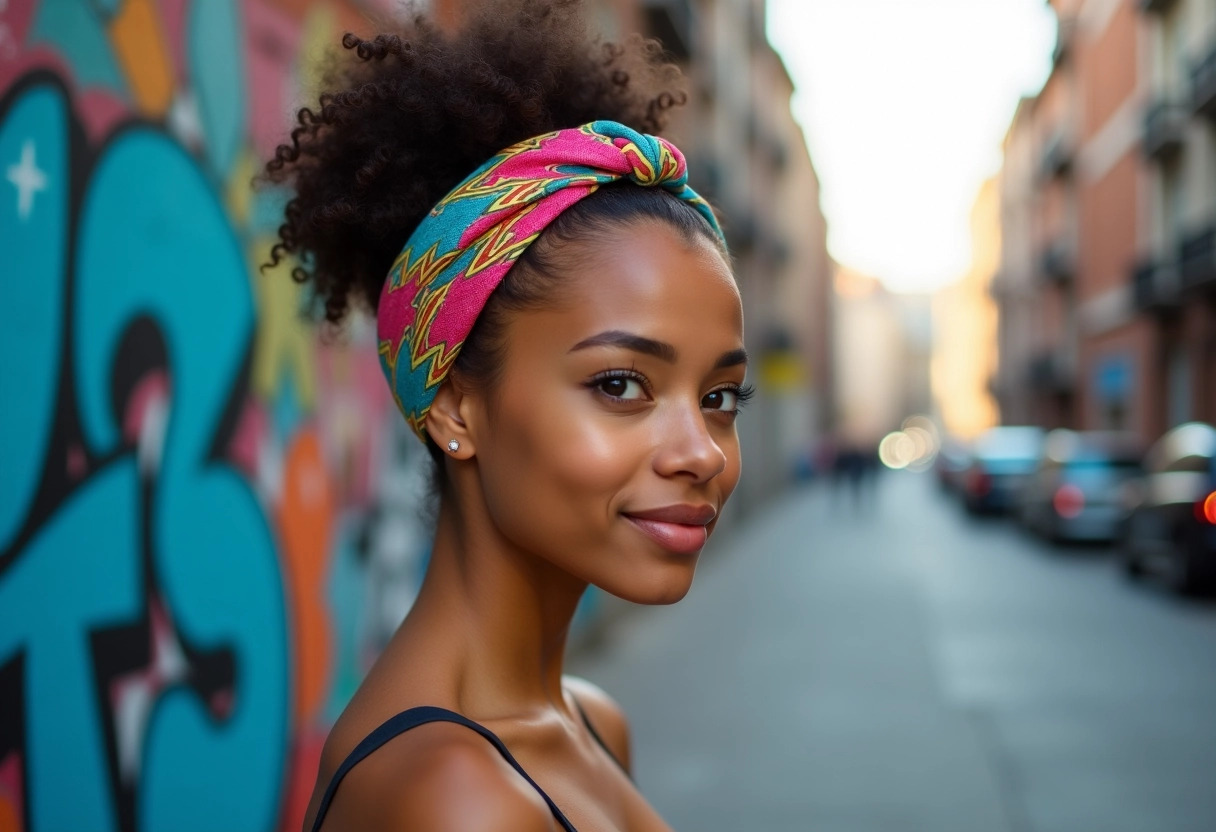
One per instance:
(27, 179)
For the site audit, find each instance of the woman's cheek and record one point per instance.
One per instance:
(588, 479)
(591, 445)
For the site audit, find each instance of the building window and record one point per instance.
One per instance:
(1174, 67)
(1172, 205)
(1178, 396)
(1113, 385)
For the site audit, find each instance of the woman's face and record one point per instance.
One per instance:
(608, 446)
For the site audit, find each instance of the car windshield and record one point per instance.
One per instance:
(1010, 443)
(1009, 450)
(1008, 464)
(1097, 471)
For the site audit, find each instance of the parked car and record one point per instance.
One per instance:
(1076, 493)
(951, 463)
(1002, 459)
(1171, 524)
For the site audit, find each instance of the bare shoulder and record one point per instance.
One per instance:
(605, 715)
(437, 777)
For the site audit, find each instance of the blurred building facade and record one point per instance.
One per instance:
(883, 353)
(965, 329)
(1106, 285)
(1014, 287)
(1174, 283)
(209, 515)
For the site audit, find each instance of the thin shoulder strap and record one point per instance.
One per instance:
(596, 736)
(404, 721)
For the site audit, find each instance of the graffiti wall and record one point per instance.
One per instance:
(208, 515)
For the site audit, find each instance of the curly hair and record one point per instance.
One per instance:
(414, 111)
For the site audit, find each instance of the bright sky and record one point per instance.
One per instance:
(905, 103)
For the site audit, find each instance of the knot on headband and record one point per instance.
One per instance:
(465, 246)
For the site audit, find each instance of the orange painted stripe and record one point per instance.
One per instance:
(139, 43)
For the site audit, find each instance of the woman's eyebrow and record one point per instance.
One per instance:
(629, 341)
(649, 346)
(732, 359)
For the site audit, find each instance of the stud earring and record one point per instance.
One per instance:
(453, 445)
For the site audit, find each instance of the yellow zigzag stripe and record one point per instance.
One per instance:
(498, 245)
(642, 168)
(429, 265)
(441, 357)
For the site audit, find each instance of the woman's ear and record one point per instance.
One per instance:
(446, 421)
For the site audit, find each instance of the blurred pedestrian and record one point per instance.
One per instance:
(855, 472)
(824, 456)
(580, 412)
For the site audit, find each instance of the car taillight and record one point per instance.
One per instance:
(1068, 501)
(1205, 509)
(979, 483)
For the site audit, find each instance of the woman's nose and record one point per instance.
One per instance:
(686, 447)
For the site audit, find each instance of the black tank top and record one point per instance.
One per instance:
(404, 721)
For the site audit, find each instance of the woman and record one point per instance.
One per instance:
(563, 331)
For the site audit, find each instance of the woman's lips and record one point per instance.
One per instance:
(676, 537)
(680, 529)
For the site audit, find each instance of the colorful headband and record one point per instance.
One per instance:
(461, 251)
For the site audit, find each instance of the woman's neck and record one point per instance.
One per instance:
(496, 616)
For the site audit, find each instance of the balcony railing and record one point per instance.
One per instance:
(742, 229)
(1155, 285)
(1164, 129)
(1065, 32)
(1156, 6)
(672, 22)
(1057, 157)
(1052, 371)
(1203, 83)
(998, 286)
(1058, 262)
(1197, 259)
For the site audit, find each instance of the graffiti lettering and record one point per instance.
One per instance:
(193, 496)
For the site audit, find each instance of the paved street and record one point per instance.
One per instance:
(909, 668)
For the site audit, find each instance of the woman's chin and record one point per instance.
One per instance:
(659, 591)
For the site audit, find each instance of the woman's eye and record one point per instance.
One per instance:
(622, 387)
(724, 400)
